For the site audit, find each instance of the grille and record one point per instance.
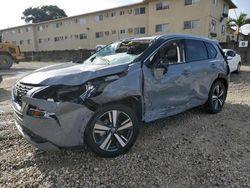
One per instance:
(21, 90)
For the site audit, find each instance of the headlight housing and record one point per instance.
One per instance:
(75, 94)
(61, 93)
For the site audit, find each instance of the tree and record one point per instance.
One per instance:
(237, 23)
(41, 14)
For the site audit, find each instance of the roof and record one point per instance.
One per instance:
(231, 4)
(186, 36)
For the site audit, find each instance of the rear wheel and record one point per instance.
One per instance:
(5, 61)
(217, 97)
(112, 130)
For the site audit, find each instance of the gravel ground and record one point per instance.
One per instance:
(193, 149)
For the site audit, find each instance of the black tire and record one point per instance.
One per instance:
(238, 68)
(217, 97)
(107, 138)
(5, 61)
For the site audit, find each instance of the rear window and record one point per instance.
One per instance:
(195, 50)
(212, 52)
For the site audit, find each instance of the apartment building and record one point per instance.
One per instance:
(149, 17)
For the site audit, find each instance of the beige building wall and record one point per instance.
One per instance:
(22, 36)
(151, 17)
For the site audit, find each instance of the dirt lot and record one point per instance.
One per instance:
(193, 149)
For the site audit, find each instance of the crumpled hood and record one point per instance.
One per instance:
(71, 73)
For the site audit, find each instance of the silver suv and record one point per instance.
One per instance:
(103, 100)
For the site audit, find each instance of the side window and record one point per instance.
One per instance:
(168, 54)
(212, 52)
(195, 50)
(231, 53)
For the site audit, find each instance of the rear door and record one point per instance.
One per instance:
(201, 59)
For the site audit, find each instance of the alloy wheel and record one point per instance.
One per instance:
(218, 97)
(113, 130)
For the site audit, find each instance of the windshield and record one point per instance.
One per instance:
(121, 52)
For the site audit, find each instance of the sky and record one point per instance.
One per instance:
(11, 10)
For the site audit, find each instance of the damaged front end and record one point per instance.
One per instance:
(55, 117)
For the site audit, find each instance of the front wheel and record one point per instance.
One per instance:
(112, 131)
(238, 68)
(217, 97)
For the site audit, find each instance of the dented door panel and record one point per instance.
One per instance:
(168, 95)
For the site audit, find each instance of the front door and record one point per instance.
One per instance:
(167, 82)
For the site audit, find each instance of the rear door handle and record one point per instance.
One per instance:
(213, 65)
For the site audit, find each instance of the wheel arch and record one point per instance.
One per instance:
(134, 102)
(223, 79)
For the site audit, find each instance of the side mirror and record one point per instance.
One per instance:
(160, 70)
(229, 57)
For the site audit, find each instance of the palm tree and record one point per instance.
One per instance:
(240, 21)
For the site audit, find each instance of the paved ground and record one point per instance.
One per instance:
(193, 149)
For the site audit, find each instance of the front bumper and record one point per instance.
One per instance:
(64, 130)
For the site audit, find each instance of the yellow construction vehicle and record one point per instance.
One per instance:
(9, 54)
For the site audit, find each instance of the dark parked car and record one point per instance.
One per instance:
(102, 101)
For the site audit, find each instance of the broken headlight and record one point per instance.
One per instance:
(75, 94)
(62, 93)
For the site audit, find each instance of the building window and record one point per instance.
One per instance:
(59, 24)
(225, 9)
(223, 30)
(56, 39)
(20, 31)
(106, 33)
(83, 36)
(122, 12)
(113, 14)
(27, 29)
(122, 31)
(40, 41)
(213, 25)
(13, 31)
(162, 5)
(28, 41)
(82, 21)
(191, 24)
(99, 34)
(113, 32)
(139, 11)
(129, 11)
(191, 2)
(161, 28)
(130, 30)
(139, 30)
(21, 42)
(215, 2)
(75, 20)
(99, 18)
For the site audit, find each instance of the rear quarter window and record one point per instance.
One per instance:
(212, 52)
(195, 50)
